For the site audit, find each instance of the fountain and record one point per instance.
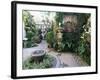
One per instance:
(40, 60)
(38, 55)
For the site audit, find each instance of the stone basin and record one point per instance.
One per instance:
(38, 55)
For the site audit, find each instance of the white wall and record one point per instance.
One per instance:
(5, 40)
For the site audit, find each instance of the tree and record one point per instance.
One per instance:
(30, 28)
(59, 18)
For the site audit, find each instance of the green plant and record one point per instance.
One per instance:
(84, 47)
(30, 28)
(81, 48)
(28, 44)
(59, 18)
(29, 34)
(61, 47)
(77, 40)
(46, 63)
(36, 39)
(50, 38)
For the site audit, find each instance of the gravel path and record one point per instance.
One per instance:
(67, 59)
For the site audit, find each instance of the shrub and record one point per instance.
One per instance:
(46, 63)
(50, 38)
(36, 39)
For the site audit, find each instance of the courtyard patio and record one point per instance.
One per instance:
(56, 40)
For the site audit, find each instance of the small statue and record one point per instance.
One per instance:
(59, 39)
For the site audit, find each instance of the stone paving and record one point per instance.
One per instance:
(67, 59)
